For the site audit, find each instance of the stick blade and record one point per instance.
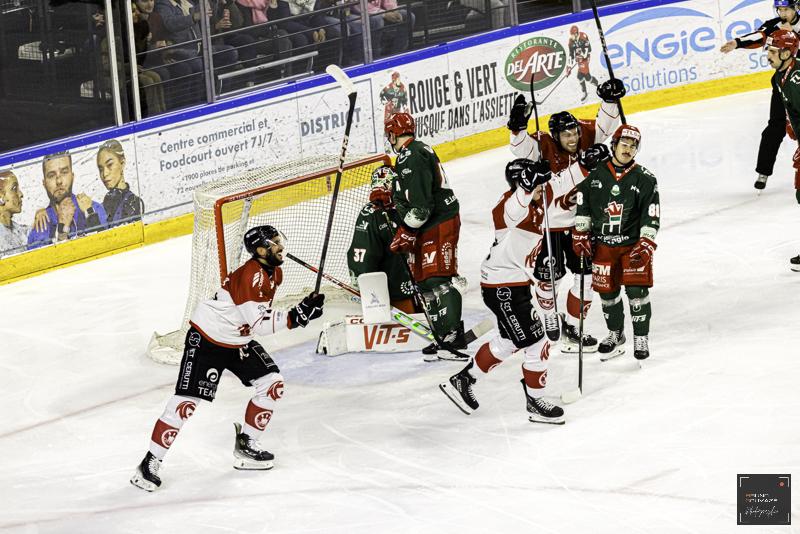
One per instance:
(341, 78)
(568, 397)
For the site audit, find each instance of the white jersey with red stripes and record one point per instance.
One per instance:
(242, 307)
(517, 238)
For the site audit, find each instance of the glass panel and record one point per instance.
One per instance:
(53, 81)
(530, 10)
(437, 21)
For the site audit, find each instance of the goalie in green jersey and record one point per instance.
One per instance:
(617, 219)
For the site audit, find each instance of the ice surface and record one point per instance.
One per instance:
(367, 443)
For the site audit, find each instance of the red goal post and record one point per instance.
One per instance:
(295, 198)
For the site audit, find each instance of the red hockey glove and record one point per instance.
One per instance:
(582, 243)
(381, 196)
(642, 252)
(403, 241)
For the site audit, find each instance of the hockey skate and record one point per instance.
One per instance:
(542, 411)
(794, 263)
(248, 455)
(454, 340)
(640, 349)
(552, 327)
(146, 475)
(570, 340)
(612, 346)
(459, 390)
(584, 96)
(761, 182)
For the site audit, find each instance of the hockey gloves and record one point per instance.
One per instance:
(642, 252)
(520, 114)
(381, 196)
(611, 90)
(533, 174)
(403, 241)
(582, 243)
(307, 310)
(593, 155)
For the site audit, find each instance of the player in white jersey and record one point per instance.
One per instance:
(573, 148)
(221, 336)
(506, 279)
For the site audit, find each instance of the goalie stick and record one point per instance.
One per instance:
(421, 329)
(350, 89)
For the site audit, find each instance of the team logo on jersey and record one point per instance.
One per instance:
(194, 339)
(614, 224)
(258, 279)
(275, 391)
(185, 409)
(795, 77)
(262, 419)
(428, 258)
(540, 58)
(503, 294)
(615, 190)
(212, 375)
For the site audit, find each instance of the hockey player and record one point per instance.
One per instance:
(369, 250)
(580, 52)
(428, 227)
(220, 337)
(506, 278)
(773, 134)
(618, 208)
(573, 148)
(782, 47)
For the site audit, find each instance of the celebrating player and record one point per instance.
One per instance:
(573, 148)
(618, 209)
(580, 52)
(506, 277)
(428, 227)
(773, 134)
(221, 337)
(782, 47)
(369, 250)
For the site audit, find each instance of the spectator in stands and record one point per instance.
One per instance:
(120, 203)
(68, 215)
(273, 42)
(227, 17)
(330, 21)
(13, 236)
(390, 27)
(499, 12)
(298, 30)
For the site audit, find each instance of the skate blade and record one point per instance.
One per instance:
(619, 351)
(453, 395)
(443, 356)
(246, 464)
(795, 268)
(569, 348)
(534, 418)
(141, 483)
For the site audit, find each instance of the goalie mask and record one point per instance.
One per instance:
(382, 182)
(270, 238)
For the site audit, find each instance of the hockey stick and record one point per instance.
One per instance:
(605, 53)
(542, 101)
(546, 218)
(571, 396)
(400, 316)
(347, 84)
(420, 298)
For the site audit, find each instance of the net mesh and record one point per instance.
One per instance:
(295, 198)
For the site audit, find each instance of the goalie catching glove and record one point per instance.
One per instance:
(642, 252)
(307, 310)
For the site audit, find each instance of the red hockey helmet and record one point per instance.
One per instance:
(629, 131)
(574, 30)
(783, 40)
(400, 124)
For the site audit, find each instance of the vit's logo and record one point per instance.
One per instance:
(384, 334)
(540, 58)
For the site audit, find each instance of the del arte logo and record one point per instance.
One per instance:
(542, 58)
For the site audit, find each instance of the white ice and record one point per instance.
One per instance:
(367, 443)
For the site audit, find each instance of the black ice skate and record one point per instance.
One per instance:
(459, 390)
(584, 97)
(640, 349)
(552, 327)
(455, 340)
(569, 342)
(761, 182)
(542, 411)
(248, 455)
(612, 346)
(146, 475)
(795, 263)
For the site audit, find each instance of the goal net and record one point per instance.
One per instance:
(295, 198)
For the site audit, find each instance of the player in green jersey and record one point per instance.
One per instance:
(618, 209)
(428, 227)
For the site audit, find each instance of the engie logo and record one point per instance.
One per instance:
(542, 58)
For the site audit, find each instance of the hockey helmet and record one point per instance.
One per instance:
(262, 236)
(400, 124)
(518, 169)
(629, 131)
(785, 3)
(783, 40)
(383, 177)
(561, 122)
(575, 31)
